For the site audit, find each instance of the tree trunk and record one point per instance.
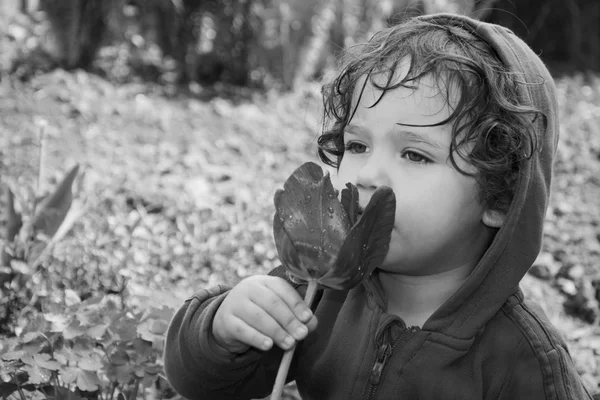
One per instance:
(77, 30)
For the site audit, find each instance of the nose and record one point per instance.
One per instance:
(373, 174)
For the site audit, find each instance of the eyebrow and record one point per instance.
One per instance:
(415, 137)
(355, 130)
(410, 135)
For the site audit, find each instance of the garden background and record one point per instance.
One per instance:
(141, 145)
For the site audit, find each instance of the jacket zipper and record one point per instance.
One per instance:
(383, 355)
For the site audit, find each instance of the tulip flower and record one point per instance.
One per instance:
(324, 241)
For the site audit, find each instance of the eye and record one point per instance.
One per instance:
(356, 147)
(415, 157)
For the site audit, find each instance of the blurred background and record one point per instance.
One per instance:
(258, 43)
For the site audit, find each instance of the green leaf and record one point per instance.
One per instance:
(73, 330)
(124, 330)
(44, 360)
(153, 331)
(83, 345)
(68, 375)
(90, 363)
(67, 356)
(14, 222)
(90, 317)
(151, 374)
(21, 267)
(96, 331)
(119, 357)
(94, 300)
(84, 380)
(29, 337)
(59, 322)
(143, 348)
(38, 345)
(164, 313)
(9, 368)
(37, 374)
(7, 388)
(120, 373)
(60, 393)
(36, 325)
(52, 211)
(13, 355)
(159, 327)
(71, 297)
(61, 357)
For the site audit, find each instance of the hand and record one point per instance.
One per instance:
(259, 311)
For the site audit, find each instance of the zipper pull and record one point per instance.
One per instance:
(385, 350)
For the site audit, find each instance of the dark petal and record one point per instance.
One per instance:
(367, 244)
(350, 202)
(313, 217)
(286, 250)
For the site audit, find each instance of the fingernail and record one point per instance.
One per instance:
(266, 344)
(306, 314)
(288, 341)
(301, 331)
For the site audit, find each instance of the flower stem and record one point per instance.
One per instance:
(286, 360)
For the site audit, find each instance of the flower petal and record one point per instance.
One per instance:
(313, 218)
(350, 202)
(287, 251)
(367, 244)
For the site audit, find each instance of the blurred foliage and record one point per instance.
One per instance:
(265, 42)
(565, 33)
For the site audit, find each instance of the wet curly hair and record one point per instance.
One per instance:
(488, 116)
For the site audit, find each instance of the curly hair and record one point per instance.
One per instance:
(488, 116)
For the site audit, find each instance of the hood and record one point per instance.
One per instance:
(518, 242)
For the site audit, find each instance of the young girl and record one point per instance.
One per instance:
(459, 118)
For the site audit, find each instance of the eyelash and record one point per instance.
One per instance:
(424, 160)
(351, 147)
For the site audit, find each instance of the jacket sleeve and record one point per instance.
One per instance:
(545, 369)
(198, 368)
(556, 380)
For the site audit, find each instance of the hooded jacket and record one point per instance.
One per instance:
(484, 342)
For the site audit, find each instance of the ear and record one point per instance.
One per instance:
(493, 218)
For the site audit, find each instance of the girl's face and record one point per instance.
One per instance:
(440, 224)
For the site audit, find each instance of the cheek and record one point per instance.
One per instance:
(346, 172)
(439, 199)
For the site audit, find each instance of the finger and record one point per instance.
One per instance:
(248, 335)
(312, 324)
(262, 320)
(279, 310)
(291, 297)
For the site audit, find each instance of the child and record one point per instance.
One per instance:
(459, 118)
